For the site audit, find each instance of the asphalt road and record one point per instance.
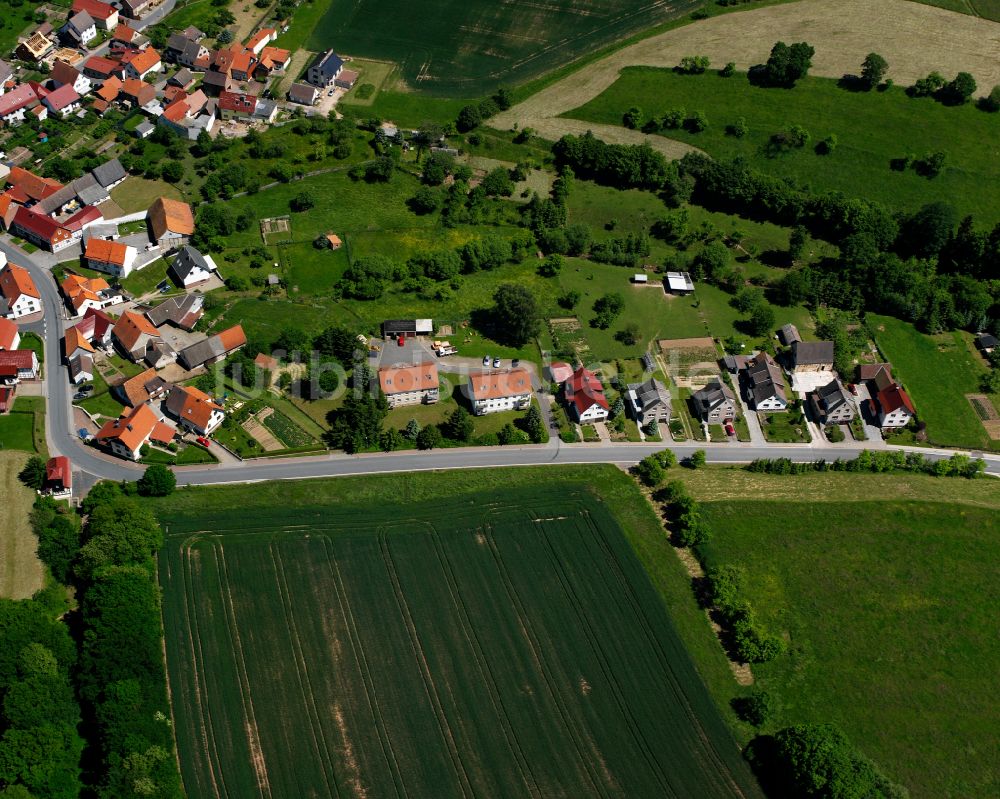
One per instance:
(62, 438)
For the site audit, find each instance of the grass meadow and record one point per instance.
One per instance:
(937, 372)
(457, 638)
(872, 128)
(467, 49)
(881, 593)
(21, 572)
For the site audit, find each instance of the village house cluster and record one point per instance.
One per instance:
(100, 60)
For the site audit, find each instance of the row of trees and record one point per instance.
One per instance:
(958, 465)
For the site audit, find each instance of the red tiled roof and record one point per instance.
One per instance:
(58, 470)
(18, 359)
(232, 338)
(243, 103)
(101, 65)
(143, 60)
(8, 332)
(109, 252)
(26, 186)
(16, 280)
(83, 217)
(95, 8)
(584, 390)
(401, 379)
(59, 98)
(496, 385)
(893, 398)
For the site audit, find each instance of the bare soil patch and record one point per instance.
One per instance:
(915, 39)
(987, 414)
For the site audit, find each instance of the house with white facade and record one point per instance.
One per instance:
(18, 293)
(409, 385)
(499, 390)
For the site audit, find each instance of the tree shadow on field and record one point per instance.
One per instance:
(768, 767)
(852, 83)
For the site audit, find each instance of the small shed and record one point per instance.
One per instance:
(335, 241)
(273, 280)
(986, 342)
(640, 277)
(789, 334)
(144, 129)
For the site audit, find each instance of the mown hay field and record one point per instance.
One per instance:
(469, 47)
(915, 39)
(498, 643)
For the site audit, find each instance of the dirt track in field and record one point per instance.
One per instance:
(915, 39)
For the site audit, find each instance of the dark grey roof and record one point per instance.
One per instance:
(182, 77)
(177, 42)
(812, 352)
(203, 351)
(984, 340)
(831, 396)
(648, 362)
(110, 172)
(5, 71)
(328, 63)
(56, 200)
(190, 50)
(216, 79)
(765, 378)
(187, 260)
(143, 127)
(81, 21)
(790, 334)
(89, 190)
(712, 396)
(650, 394)
(177, 310)
(400, 325)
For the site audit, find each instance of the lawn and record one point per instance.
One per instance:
(889, 622)
(21, 573)
(779, 428)
(24, 427)
(872, 128)
(146, 279)
(101, 402)
(137, 194)
(470, 640)
(937, 372)
(467, 49)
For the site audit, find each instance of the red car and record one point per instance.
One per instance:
(730, 430)
(400, 341)
(203, 441)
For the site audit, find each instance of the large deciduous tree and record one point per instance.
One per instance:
(516, 315)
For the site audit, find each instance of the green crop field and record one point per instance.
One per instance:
(937, 372)
(503, 642)
(872, 128)
(887, 608)
(467, 48)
